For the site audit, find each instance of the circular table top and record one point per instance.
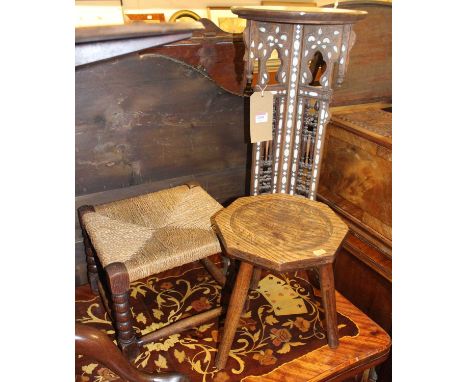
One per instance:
(280, 231)
(299, 15)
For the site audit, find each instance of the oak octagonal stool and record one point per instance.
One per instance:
(281, 233)
(281, 227)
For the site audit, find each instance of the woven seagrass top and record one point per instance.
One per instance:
(154, 232)
(280, 231)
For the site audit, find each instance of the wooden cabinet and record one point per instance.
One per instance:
(357, 170)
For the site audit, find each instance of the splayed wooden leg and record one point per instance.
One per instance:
(236, 305)
(327, 287)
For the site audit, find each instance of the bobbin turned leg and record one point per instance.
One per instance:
(327, 288)
(93, 277)
(236, 305)
(119, 286)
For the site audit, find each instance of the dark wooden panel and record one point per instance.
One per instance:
(366, 288)
(369, 75)
(80, 264)
(356, 175)
(217, 53)
(152, 118)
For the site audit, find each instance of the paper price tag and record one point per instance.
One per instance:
(261, 116)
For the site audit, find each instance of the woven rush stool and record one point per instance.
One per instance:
(130, 239)
(280, 233)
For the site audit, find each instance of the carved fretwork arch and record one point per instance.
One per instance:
(290, 163)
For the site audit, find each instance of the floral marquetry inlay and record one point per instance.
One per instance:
(265, 339)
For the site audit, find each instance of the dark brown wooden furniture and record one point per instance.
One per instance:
(116, 161)
(288, 232)
(369, 345)
(357, 177)
(132, 238)
(290, 163)
(93, 44)
(349, 362)
(96, 344)
(281, 233)
(358, 156)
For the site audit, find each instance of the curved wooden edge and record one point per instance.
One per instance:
(351, 4)
(299, 15)
(96, 344)
(192, 184)
(354, 354)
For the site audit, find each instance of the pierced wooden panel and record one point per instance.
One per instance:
(290, 162)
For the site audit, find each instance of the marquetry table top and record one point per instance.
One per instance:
(279, 231)
(369, 348)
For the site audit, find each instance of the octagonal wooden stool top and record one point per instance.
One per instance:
(282, 233)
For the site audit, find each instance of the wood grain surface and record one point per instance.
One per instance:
(363, 276)
(147, 119)
(280, 231)
(369, 345)
(234, 311)
(131, 31)
(355, 354)
(144, 123)
(357, 169)
(369, 75)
